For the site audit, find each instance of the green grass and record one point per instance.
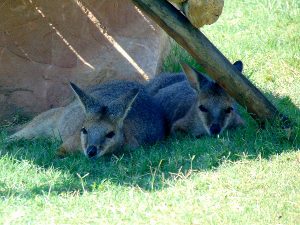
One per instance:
(249, 176)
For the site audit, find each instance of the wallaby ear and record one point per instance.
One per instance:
(239, 65)
(87, 101)
(195, 78)
(239, 121)
(119, 109)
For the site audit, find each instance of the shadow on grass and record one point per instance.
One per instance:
(156, 167)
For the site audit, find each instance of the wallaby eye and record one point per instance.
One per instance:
(228, 110)
(110, 134)
(83, 130)
(202, 108)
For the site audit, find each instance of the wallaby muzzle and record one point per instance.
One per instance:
(91, 151)
(215, 129)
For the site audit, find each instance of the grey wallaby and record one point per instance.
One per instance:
(193, 103)
(101, 120)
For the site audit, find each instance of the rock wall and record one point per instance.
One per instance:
(46, 44)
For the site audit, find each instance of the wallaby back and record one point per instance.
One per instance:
(175, 97)
(164, 80)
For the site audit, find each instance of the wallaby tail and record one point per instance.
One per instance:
(41, 126)
(14, 129)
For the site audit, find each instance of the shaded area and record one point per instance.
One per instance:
(156, 167)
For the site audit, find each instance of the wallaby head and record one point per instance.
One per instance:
(102, 130)
(213, 110)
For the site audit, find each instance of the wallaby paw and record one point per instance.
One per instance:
(8, 140)
(61, 152)
(11, 139)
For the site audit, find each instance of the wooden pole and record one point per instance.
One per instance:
(209, 57)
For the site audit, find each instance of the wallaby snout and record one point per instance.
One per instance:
(91, 151)
(215, 129)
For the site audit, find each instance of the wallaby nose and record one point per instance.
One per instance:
(215, 129)
(91, 151)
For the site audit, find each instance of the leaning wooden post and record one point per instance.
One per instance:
(208, 56)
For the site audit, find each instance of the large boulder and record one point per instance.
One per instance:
(46, 44)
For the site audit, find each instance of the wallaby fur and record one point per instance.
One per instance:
(101, 120)
(193, 103)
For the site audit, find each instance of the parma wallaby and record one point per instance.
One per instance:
(193, 103)
(101, 120)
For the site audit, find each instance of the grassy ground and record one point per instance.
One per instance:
(250, 176)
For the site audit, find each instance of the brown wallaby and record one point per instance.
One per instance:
(101, 120)
(193, 103)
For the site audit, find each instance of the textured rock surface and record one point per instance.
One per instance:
(46, 44)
